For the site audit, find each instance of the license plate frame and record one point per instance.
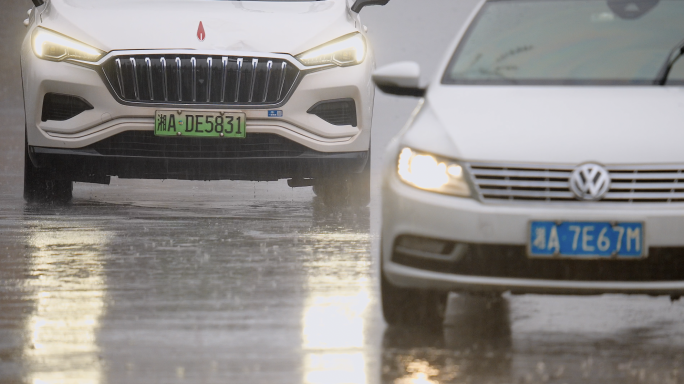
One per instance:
(197, 123)
(582, 241)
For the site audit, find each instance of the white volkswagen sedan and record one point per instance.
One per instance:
(198, 90)
(546, 157)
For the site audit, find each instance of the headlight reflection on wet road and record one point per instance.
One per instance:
(69, 286)
(334, 319)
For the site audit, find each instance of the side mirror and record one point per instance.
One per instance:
(400, 79)
(38, 3)
(359, 4)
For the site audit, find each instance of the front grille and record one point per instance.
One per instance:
(200, 79)
(146, 144)
(630, 184)
(508, 261)
(60, 107)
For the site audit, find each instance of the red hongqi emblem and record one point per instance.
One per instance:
(200, 32)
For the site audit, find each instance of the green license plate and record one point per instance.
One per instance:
(200, 124)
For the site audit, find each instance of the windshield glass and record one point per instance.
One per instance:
(569, 42)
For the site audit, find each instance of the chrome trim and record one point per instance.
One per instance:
(283, 68)
(193, 65)
(224, 62)
(255, 63)
(164, 80)
(207, 52)
(515, 182)
(209, 65)
(119, 75)
(269, 64)
(413, 277)
(178, 76)
(135, 79)
(237, 81)
(149, 77)
(290, 78)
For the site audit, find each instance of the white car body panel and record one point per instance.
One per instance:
(278, 27)
(529, 125)
(266, 29)
(607, 123)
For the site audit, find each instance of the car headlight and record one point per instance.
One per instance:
(432, 173)
(345, 51)
(53, 46)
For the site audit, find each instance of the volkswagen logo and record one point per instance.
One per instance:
(589, 182)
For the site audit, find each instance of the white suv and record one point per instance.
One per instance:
(546, 157)
(198, 90)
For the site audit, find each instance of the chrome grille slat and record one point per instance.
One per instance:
(269, 64)
(629, 184)
(673, 185)
(524, 183)
(178, 76)
(119, 76)
(534, 174)
(144, 78)
(162, 62)
(283, 68)
(193, 65)
(209, 62)
(237, 81)
(643, 195)
(503, 192)
(134, 68)
(255, 63)
(224, 73)
(644, 176)
(148, 63)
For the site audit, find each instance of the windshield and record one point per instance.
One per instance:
(569, 42)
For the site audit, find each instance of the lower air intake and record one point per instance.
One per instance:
(144, 144)
(336, 112)
(60, 107)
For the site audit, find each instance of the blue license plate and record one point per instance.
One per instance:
(586, 239)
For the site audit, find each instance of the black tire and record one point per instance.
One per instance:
(40, 188)
(409, 307)
(345, 190)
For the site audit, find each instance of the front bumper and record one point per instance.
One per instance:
(409, 211)
(110, 117)
(141, 155)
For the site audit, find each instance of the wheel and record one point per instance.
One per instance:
(345, 190)
(412, 307)
(38, 187)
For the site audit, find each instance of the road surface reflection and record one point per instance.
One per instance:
(69, 284)
(335, 310)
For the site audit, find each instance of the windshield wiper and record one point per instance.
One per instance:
(672, 58)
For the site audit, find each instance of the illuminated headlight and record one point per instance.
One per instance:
(53, 46)
(432, 173)
(345, 51)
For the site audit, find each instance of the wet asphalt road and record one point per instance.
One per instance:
(239, 282)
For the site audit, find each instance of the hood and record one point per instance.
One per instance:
(570, 125)
(252, 26)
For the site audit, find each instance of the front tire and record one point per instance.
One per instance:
(41, 188)
(345, 190)
(410, 307)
